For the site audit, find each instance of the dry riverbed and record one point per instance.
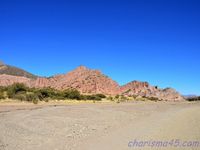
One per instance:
(105, 126)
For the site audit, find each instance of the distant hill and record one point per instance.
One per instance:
(10, 70)
(190, 96)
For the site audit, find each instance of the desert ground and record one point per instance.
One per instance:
(105, 126)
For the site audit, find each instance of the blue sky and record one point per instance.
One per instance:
(148, 40)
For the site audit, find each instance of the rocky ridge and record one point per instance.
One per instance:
(89, 81)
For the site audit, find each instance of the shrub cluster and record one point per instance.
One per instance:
(150, 98)
(120, 98)
(21, 92)
(153, 98)
(96, 97)
(2, 93)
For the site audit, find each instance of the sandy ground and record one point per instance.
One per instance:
(100, 126)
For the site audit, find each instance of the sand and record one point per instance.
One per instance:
(108, 126)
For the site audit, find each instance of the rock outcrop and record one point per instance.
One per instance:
(144, 89)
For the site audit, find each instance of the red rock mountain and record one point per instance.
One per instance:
(89, 81)
(145, 89)
(83, 79)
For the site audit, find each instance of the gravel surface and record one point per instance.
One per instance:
(96, 126)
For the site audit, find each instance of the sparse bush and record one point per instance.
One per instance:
(46, 100)
(110, 98)
(3, 89)
(35, 101)
(153, 99)
(123, 98)
(45, 93)
(118, 101)
(92, 97)
(16, 89)
(2, 95)
(72, 94)
(120, 98)
(141, 98)
(100, 95)
(117, 97)
(97, 97)
(21, 92)
(21, 97)
(31, 97)
(134, 96)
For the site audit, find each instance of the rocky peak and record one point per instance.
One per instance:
(81, 68)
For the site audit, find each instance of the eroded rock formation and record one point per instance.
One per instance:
(146, 90)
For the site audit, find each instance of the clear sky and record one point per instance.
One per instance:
(148, 40)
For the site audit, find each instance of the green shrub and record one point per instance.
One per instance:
(110, 98)
(21, 92)
(35, 101)
(31, 97)
(92, 97)
(46, 100)
(123, 98)
(2, 95)
(25, 96)
(118, 101)
(134, 96)
(45, 93)
(72, 94)
(117, 97)
(153, 98)
(3, 89)
(21, 97)
(15, 89)
(100, 95)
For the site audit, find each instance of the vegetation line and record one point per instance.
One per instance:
(21, 92)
